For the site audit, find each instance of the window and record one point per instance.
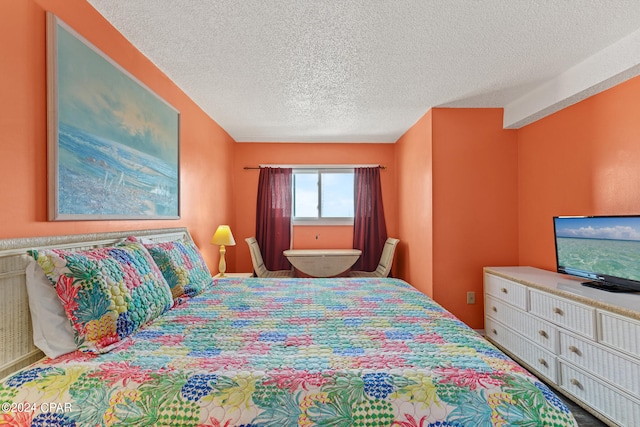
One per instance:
(323, 196)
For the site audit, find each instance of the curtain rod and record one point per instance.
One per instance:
(314, 166)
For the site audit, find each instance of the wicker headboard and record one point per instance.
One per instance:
(16, 334)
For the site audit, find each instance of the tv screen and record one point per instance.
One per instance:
(603, 249)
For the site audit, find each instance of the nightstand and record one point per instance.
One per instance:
(233, 275)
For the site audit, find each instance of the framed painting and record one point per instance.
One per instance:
(113, 144)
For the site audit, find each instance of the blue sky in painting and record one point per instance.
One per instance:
(96, 97)
(612, 228)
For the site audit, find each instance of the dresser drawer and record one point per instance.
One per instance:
(612, 403)
(537, 358)
(506, 290)
(601, 361)
(619, 332)
(542, 333)
(571, 315)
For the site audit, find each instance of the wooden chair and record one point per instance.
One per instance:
(258, 263)
(386, 259)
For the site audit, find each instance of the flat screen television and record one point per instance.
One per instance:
(605, 250)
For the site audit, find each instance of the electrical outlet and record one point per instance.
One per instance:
(471, 297)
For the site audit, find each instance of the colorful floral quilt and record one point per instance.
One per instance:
(289, 352)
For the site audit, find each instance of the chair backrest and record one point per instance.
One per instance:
(386, 259)
(256, 257)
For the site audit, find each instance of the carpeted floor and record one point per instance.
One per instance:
(584, 418)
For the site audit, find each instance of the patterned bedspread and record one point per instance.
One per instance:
(289, 352)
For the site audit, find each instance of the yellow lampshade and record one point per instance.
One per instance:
(223, 236)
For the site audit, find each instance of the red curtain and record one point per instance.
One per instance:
(369, 227)
(273, 216)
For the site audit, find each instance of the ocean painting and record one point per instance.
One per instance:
(115, 143)
(605, 245)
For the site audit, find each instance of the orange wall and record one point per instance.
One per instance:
(414, 257)
(325, 237)
(457, 203)
(475, 209)
(205, 190)
(245, 189)
(583, 160)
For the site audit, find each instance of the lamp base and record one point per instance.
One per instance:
(222, 266)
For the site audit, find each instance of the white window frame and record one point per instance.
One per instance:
(313, 221)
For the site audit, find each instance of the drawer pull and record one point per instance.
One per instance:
(494, 332)
(543, 362)
(543, 333)
(504, 290)
(574, 349)
(576, 383)
(558, 310)
(495, 309)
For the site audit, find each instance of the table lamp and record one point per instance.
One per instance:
(223, 237)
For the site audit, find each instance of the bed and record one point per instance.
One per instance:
(272, 352)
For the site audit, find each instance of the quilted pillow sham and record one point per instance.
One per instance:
(107, 293)
(181, 264)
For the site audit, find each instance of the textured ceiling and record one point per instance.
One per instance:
(362, 71)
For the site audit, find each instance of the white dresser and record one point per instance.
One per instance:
(583, 341)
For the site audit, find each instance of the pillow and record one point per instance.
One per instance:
(52, 332)
(107, 293)
(182, 266)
